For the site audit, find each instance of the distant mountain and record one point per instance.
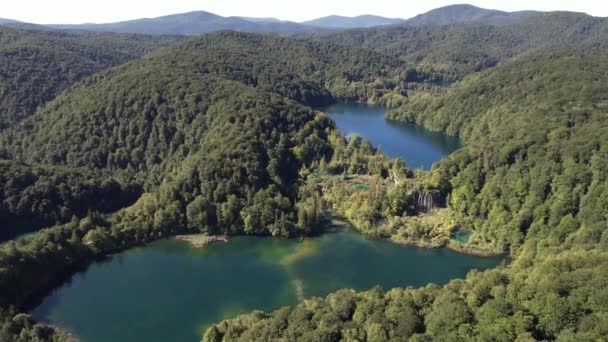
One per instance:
(4, 21)
(362, 21)
(19, 24)
(263, 20)
(22, 25)
(193, 23)
(458, 14)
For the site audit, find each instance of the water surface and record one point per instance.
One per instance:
(170, 291)
(418, 146)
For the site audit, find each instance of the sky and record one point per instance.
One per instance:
(102, 11)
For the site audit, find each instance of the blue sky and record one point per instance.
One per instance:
(79, 11)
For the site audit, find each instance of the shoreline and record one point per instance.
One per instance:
(201, 240)
(467, 250)
(474, 251)
(420, 243)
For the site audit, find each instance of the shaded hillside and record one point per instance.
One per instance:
(340, 22)
(36, 196)
(36, 66)
(4, 21)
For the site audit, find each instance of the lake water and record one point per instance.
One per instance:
(170, 291)
(418, 146)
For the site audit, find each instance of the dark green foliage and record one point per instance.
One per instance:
(448, 53)
(33, 197)
(217, 131)
(559, 296)
(141, 119)
(36, 66)
(20, 327)
(530, 181)
(302, 70)
(534, 134)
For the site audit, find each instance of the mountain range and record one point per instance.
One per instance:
(458, 14)
(201, 22)
(194, 23)
(109, 141)
(341, 22)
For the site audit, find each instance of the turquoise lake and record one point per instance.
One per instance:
(171, 291)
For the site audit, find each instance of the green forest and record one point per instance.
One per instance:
(36, 66)
(111, 141)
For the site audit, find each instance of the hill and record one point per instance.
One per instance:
(192, 23)
(459, 14)
(340, 22)
(217, 132)
(8, 21)
(311, 73)
(530, 181)
(448, 53)
(268, 19)
(140, 121)
(36, 66)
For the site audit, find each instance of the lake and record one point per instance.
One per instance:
(418, 146)
(171, 291)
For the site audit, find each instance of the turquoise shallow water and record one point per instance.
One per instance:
(170, 291)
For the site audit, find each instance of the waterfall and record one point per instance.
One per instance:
(426, 202)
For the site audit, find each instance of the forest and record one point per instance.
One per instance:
(36, 66)
(535, 191)
(219, 134)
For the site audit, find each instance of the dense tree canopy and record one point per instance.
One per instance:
(218, 133)
(36, 66)
(450, 52)
(40, 196)
(530, 181)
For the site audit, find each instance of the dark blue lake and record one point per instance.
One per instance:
(418, 146)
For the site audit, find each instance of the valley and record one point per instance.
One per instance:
(478, 130)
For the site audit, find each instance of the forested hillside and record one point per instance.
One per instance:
(448, 53)
(142, 119)
(530, 181)
(219, 148)
(37, 196)
(216, 135)
(519, 179)
(36, 66)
